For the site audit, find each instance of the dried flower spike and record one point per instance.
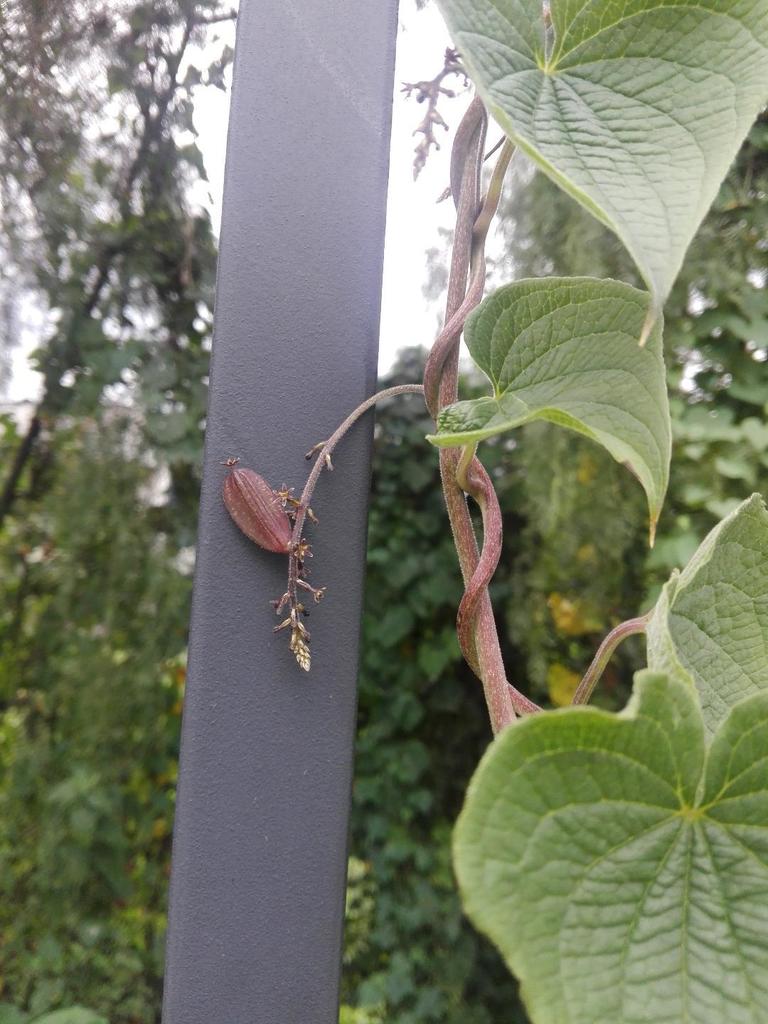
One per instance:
(300, 649)
(257, 510)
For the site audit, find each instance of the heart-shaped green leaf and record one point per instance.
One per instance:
(711, 622)
(622, 868)
(634, 107)
(565, 350)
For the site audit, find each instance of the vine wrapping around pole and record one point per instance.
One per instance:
(483, 650)
(476, 481)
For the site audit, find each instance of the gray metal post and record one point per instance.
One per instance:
(259, 859)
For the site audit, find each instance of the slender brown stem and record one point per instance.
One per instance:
(491, 201)
(604, 654)
(441, 370)
(446, 343)
(323, 459)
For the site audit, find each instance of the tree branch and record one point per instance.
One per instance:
(215, 19)
(23, 453)
(103, 263)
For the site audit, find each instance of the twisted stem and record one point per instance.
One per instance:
(476, 481)
(476, 625)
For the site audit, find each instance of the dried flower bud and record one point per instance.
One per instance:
(300, 649)
(257, 510)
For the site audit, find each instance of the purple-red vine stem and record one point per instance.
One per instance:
(476, 624)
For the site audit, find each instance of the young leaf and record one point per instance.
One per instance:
(615, 892)
(710, 624)
(636, 108)
(565, 350)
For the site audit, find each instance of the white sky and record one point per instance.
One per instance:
(413, 214)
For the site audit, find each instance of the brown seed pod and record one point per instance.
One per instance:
(257, 511)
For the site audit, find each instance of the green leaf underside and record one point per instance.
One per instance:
(636, 109)
(566, 350)
(711, 621)
(616, 894)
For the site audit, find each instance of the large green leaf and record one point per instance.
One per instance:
(620, 866)
(635, 107)
(711, 622)
(565, 350)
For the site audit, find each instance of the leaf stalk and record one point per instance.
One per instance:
(604, 654)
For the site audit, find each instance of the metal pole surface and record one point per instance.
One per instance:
(260, 839)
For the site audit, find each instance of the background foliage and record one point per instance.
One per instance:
(97, 512)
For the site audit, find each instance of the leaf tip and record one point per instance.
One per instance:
(652, 530)
(648, 324)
